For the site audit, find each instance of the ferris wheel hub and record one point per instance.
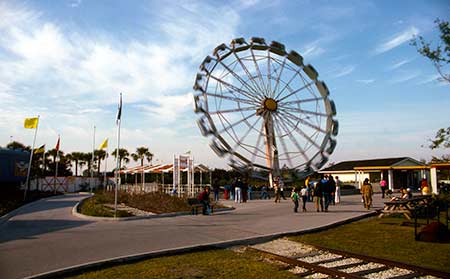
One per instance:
(270, 104)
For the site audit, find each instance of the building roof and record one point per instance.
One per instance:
(350, 165)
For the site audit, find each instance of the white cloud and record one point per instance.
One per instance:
(365, 81)
(75, 3)
(397, 40)
(399, 64)
(73, 79)
(15, 15)
(406, 76)
(312, 49)
(167, 108)
(343, 71)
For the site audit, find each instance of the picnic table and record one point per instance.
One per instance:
(405, 206)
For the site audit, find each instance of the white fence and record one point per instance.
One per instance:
(69, 184)
(157, 187)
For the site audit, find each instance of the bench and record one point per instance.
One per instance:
(196, 205)
(405, 207)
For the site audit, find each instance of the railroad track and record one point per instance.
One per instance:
(317, 262)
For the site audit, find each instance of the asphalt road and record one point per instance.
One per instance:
(45, 236)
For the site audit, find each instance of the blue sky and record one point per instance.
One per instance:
(68, 61)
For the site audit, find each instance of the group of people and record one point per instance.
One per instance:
(239, 191)
(325, 192)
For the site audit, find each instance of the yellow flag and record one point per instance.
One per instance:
(104, 144)
(40, 149)
(31, 123)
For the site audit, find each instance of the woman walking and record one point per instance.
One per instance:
(367, 192)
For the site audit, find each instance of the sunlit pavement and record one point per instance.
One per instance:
(45, 236)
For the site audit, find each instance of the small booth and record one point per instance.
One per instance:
(182, 181)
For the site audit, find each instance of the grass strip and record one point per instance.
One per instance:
(209, 264)
(387, 237)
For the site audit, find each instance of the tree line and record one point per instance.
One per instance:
(44, 164)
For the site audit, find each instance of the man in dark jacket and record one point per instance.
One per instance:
(326, 186)
(203, 197)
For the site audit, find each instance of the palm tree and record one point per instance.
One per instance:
(87, 158)
(123, 155)
(99, 155)
(141, 154)
(77, 157)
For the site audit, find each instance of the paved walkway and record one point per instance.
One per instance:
(45, 236)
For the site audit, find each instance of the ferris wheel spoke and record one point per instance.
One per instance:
(233, 110)
(235, 123)
(287, 84)
(236, 76)
(260, 136)
(281, 104)
(296, 91)
(290, 115)
(269, 79)
(278, 78)
(250, 77)
(283, 143)
(233, 88)
(234, 99)
(294, 140)
(305, 111)
(299, 131)
(241, 140)
(258, 71)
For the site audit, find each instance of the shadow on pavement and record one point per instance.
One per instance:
(28, 229)
(45, 205)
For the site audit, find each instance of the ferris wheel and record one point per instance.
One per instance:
(264, 108)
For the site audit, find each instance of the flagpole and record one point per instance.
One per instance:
(43, 163)
(57, 160)
(105, 184)
(92, 162)
(27, 183)
(118, 155)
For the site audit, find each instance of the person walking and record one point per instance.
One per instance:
(264, 195)
(203, 197)
(238, 191)
(216, 189)
(277, 189)
(281, 184)
(326, 189)
(367, 192)
(294, 197)
(332, 185)
(318, 195)
(337, 195)
(244, 190)
(304, 195)
(383, 185)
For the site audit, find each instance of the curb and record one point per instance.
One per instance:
(75, 212)
(94, 265)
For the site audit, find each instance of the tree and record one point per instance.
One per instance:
(99, 155)
(440, 56)
(442, 139)
(123, 155)
(87, 158)
(17, 145)
(141, 154)
(77, 157)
